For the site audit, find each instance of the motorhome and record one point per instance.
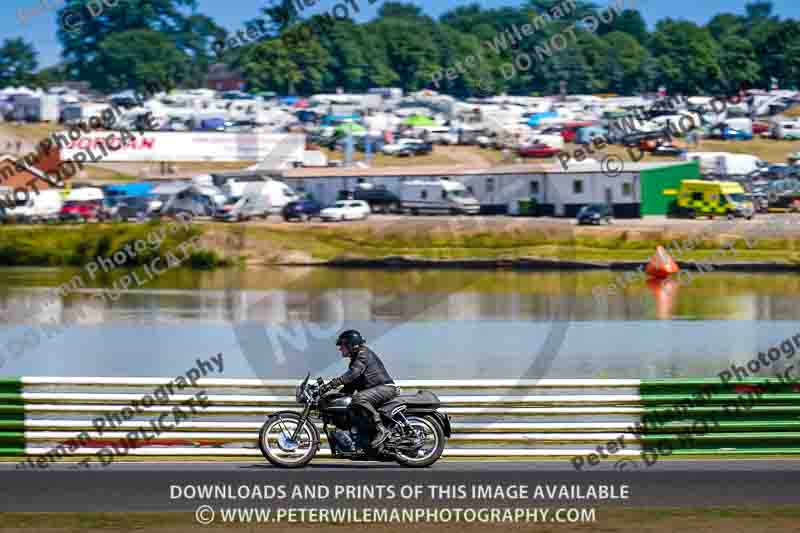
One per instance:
(443, 195)
(43, 206)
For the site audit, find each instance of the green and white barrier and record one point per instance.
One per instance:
(490, 418)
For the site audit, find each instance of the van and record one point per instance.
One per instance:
(250, 205)
(37, 207)
(442, 195)
(233, 185)
(713, 198)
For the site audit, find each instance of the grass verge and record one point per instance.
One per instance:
(360, 241)
(76, 246)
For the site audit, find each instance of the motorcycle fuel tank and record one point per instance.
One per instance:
(335, 402)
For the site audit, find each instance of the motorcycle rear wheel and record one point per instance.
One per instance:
(433, 445)
(276, 445)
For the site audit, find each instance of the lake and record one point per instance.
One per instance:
(429, 324)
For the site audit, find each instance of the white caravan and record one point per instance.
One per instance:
(442, 195)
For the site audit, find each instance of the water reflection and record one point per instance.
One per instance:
(429, 323)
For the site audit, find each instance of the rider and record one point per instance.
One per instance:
(368, 377)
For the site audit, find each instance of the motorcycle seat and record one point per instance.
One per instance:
(420, 400)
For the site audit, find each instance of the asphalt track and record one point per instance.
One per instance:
(147, 487)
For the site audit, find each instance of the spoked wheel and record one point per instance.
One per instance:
(433, 442)
(277, 446)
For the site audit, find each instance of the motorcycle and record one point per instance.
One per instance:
(418, 430)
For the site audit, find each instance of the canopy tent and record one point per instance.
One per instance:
(419, 121)
(351, 127)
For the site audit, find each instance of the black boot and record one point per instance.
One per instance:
(381, 434)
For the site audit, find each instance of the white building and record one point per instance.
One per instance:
(558, 192)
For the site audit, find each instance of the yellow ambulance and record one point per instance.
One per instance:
(699, 198)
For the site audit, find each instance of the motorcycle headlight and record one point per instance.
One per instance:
(299, 394)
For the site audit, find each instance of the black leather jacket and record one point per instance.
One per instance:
(366, 371)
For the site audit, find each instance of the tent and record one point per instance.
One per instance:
(351, 127)
(419, 121)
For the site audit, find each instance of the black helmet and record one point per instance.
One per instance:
(350, 339)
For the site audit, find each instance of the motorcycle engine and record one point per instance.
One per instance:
(343, 441)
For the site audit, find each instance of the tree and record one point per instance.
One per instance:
(628, 58)
(275, 66)
(688, 57)
(18, 63)
(738, 63)
(629, 21)
(401, 10)
(140, 59)
(86, 58)
(50, 76)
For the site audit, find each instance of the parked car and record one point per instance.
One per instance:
(346, 210)
(301, 210)
(131, 208)
(538, 150)
(78, 211)
(415, 149)
(594, 214)
(380, 199)
(400, 144)
(667, 150)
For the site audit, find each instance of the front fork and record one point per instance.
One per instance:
(303, 420)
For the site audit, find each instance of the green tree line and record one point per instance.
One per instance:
(167, 43)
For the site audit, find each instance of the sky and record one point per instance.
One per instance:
(37, 24)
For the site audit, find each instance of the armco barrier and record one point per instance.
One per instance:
(491, 418)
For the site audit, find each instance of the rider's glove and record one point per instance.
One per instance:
(332, 384)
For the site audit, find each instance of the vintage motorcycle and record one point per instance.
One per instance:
(419, 431)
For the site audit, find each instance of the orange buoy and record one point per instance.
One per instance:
(661, 265)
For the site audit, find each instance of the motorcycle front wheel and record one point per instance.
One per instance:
(277, 446)
(433, 442)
